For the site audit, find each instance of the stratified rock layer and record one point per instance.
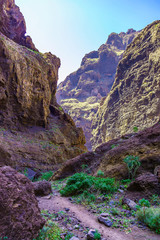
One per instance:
(133, 102)
(20, 217)
(108, 157)
(12, 24)
(34, 130)
(81, 92)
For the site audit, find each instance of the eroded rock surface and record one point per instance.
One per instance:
(133, 101)
(20, 217)
(108, 157)
(81, 92)
(34, 130)
(12, 24)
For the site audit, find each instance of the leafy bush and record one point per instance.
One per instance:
(151, 217)
(135, 129)
(100, 173)
(97, 235)
(46, 176)
(144, 203)
(155, 199)
(133, 164)
(50, 231)
(80, 182)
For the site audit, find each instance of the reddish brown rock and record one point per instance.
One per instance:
(20, 217)
(35, 132)
(42, 188)
(81, 92)
(133, 102)
(108, 157)
(12, 24)
(146, 182)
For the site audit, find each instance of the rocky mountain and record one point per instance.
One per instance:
(133, 103)
(34, 130)
(81, 92)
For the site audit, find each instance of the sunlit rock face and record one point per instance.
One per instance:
(81, 92)
(134, 100)
(12, 24)
(34, 130)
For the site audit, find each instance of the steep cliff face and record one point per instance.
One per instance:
(34, 130)
(12, 24)
(81, 92)
(133, 102)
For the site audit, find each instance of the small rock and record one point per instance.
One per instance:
(105, 221)
(42, 188)
(67, 209)
(90, 234)
(74, 238)
(120, 190)
(104, 214)
(131, 204)
(76, 227)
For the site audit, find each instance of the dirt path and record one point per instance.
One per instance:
(58, 203)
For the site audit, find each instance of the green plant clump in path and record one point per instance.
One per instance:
(81, 182)
(50, 231)
(151, 217)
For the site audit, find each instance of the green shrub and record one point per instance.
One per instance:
(144, 203)
(46, 176)
(97, 235)
(80, 182)
(155, 199)
(50, 231)
(100, 173)
(151, 217)
(133, 164)
(135, 129)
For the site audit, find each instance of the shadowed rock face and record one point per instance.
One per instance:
(12, 24)
(20, 216)
(134, 98)
(108, 157)
(81, 92)
(34, 130)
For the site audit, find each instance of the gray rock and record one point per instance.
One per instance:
(90, 234)
(131, 204)
(105, 221)
(74, 238)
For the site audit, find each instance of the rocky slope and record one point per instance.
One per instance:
(133, 102)
(81, 92)
(34, 130)
(108, 157)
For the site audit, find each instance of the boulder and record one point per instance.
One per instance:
(131, 204)
(146, 182)
(105, 220)
(42, 188)
(20, 217)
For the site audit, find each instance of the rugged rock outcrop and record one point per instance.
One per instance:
(108, 157)
(20, 217)
(12, 24)
(81, 92)
(34, 130)
(133, 102)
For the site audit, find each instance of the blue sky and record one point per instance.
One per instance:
(71, 28)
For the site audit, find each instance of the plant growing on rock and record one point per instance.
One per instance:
(133, 164)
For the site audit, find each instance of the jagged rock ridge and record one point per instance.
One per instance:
(81, 92)
(133, 101)
(34, 130)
